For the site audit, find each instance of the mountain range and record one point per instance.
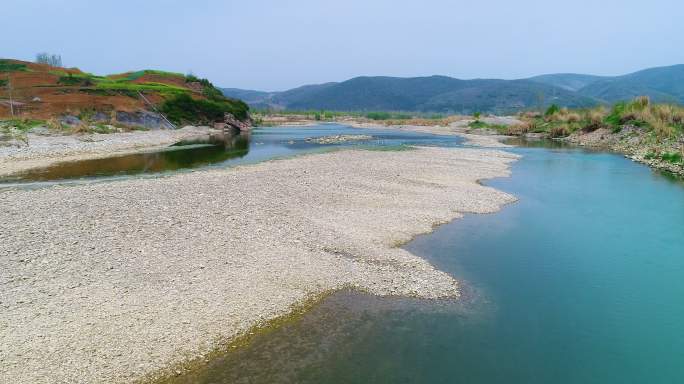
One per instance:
(443, 94)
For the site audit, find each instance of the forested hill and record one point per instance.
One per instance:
(446, 94)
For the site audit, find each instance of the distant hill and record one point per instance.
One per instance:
(41, 91)
(447, 94)
(662, 84)
(567, 81)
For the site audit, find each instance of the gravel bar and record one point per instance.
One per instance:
(118, 281)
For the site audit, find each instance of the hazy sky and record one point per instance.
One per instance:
(274, 45)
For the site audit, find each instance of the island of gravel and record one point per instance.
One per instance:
(120, 281)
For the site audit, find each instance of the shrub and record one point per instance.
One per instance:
(616, 114)
(553, 109)
(182, 108)
(75, 80)
(672, 157)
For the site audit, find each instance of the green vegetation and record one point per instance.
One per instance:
(182, 108)
(388, 148)
(138, 74)
(8, 66)
(387, 116)
(672, 157)
(71, 80)
(141, 87)
(553, 108)
(21, 124)
(441, 94)
(3, 82)
(16, 129)
(662, 121)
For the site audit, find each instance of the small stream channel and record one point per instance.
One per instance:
(219, 150)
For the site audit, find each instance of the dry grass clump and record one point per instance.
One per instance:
(561, 130)
(522, 128)
(564, 116)
(596, 115)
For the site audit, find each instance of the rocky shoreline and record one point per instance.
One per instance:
(118, 281)
(633, 144)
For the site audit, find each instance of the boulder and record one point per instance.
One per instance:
(147, 119)
(235, 123)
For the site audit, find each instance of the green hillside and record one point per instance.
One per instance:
(567, 81)
(449, 95)
(663, 84)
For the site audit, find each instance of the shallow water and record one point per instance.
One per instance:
(580, 281)
(218, 151)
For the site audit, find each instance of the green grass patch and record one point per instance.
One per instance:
(672, 157)
(8, 66)
(388, 148)
(71, 80)
(477, 124)
(156, 87)
(138, 74)
(615, 116)
(22, 124)
(388, 116)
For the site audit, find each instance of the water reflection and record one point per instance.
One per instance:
(219, 150)
(183, 155)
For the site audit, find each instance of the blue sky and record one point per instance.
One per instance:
(275, 45)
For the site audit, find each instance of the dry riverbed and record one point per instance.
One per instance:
(118, 281)
(44, 150)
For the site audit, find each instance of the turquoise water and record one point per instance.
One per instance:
(222, 150)
(580, 281)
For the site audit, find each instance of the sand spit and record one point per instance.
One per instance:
(113, 282)
(46, 150)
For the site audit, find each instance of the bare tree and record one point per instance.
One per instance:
(50, 59)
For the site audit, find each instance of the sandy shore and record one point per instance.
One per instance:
(113, 282)
(46, 150)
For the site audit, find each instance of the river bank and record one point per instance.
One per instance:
(43, 150)
(120, 281)
(635, 143)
